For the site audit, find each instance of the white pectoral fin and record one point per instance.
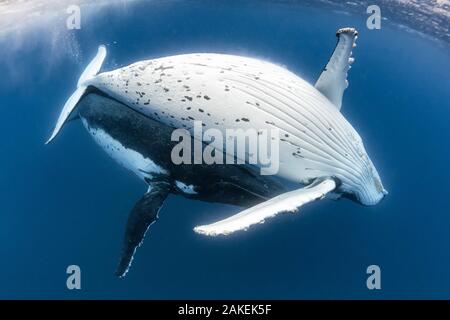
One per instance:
(91, 70)
(286, 202)
(66, 111)
(94, 66)
(333, 80)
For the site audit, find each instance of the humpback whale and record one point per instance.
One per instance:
(132, 111)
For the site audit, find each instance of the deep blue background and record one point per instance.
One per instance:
(67, 203)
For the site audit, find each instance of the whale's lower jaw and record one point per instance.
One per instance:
(365, 191)
(364, 197)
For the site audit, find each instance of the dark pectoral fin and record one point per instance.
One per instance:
(144, 213)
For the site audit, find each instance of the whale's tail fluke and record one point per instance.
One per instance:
(91, 71)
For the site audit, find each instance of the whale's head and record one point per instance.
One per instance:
(371, 191)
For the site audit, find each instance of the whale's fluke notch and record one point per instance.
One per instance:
(144, 213)
(91, 70)
(286, 202)
(333, 80)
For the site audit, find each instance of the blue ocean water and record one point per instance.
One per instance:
(67, 203)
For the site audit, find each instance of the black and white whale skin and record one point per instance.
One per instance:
(132, 111)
